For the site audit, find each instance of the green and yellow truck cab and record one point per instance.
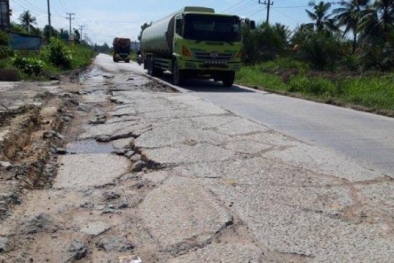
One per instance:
(194, 42)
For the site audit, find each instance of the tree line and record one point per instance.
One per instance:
(27, 26)
(357, 35)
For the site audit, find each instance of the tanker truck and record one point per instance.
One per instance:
(194, 42)
(121, 47)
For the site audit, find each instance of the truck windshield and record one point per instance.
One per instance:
(212, 28)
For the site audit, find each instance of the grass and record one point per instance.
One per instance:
(373, 92)
(252, 76)
(81, 58)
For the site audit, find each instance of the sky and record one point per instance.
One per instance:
(102, 20)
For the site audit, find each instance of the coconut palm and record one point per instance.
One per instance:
(349, 15)
(377, 24)
(322, 20)
(386, 10)
(27, 21)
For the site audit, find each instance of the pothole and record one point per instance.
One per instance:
(95, 96)
(94, 73)
(89, 147)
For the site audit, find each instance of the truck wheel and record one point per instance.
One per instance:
(177, 74)
(150, 66)
(228, 79)
(157, 72)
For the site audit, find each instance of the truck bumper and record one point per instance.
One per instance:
(209, 65)
(122, 56)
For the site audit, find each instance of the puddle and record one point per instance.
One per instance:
(94, 74)
(89, 147)
(95, 96)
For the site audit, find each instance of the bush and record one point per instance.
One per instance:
(82, 56)
(5, 38)
(58, 54)
(28, 66)
(264, 43)
(378, 56)
(5, 50)
(321, 49)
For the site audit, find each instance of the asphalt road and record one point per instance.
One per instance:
(366, 138)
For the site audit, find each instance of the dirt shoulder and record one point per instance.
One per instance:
(33, 117)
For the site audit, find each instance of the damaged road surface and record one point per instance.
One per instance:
(133, 169)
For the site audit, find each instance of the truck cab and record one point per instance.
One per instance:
(121, 49)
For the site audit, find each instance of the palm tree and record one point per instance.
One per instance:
(378, 21)
(322, 20)
(27, 20)
(386, 10)
(349, 15)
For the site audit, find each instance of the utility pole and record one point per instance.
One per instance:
(70, 18)
(5, 14)
(80, 33)
(268, 4)
(49, 20)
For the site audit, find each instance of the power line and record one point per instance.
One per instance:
(26, 7)
(245, 7)
(33, 6)
(231, 7)
(239, 8)
(299, 6)
(250, 15)
(62, 4)
(280, 13)
(56, 6)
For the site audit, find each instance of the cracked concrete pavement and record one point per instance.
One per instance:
(191, 182)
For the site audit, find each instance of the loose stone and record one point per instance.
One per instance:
(138, 166)
(78, 249)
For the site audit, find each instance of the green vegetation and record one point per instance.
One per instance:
(54, 58)
(28, 65)
(57, 54)
(343, 56)
(370, 91)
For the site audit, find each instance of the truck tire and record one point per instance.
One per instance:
(150, 65)
(154, 72)
(228, 79)
(177, 74)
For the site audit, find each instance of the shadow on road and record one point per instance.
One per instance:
(203, 85)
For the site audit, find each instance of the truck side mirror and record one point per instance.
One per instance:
(252, 24)
(166, 35)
